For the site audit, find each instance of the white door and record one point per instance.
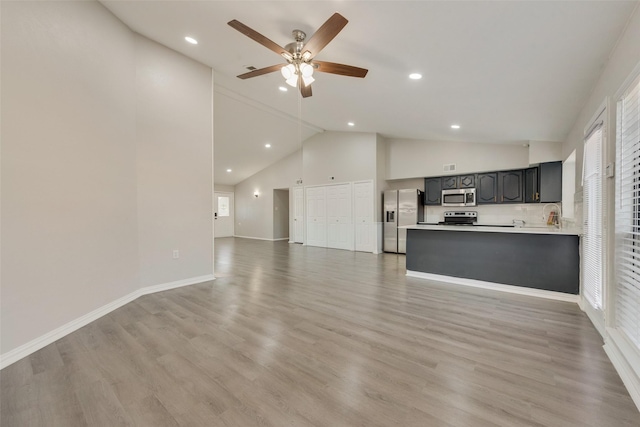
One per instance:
(223, 214)
(316, 217)
(339, 222)
(364, 208)
(298, 215)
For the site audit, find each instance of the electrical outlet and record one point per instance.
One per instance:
(176, 254)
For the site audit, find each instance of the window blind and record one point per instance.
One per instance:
(627, 304)
(592, 217)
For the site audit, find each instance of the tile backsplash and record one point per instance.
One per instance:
(502, 214)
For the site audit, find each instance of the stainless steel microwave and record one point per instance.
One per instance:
(459, 197)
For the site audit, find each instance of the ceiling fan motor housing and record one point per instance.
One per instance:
(298, 35)
(295, 48)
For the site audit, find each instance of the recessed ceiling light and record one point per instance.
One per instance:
(283, 89)
(455, 126)
(351, 124)
(191, 40)
(415, 76)
(267, 145)
(228, 170)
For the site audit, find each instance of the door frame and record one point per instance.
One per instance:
(292, 215)
(232, 211)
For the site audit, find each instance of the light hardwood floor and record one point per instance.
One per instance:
(301, 336)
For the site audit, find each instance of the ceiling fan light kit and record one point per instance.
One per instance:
(298, 71)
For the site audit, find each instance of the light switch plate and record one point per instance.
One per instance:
(611, 170)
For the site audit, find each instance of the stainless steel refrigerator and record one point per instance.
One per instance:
(401, 207)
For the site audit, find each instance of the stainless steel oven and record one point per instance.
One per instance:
(459, 197)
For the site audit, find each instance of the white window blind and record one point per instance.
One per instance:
(592, 217)
(627, 305)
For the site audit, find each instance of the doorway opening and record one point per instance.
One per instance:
(224, 217)
(281, 214)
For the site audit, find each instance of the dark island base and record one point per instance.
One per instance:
(541, 261)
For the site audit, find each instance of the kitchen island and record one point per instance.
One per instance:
(544, 258)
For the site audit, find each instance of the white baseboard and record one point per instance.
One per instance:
(34, 345)
(177, 284)
(559, 296)
(261, 238)
(596, 316)
(624, 358)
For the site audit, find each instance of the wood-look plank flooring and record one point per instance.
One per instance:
(300, 336)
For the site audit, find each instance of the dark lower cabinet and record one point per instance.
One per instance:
(531, 190)
(432, 191)
(550, 182)
(510, 187)
(487, 188)
(540, 261)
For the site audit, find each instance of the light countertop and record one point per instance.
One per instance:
(494, 229)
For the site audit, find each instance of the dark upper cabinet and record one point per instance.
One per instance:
(531, 186)
(510, 187)
(487, 188)
(543, 183)
(462, 181)
(467, 181)
(449, 182)
(550, 182)
(432, 191)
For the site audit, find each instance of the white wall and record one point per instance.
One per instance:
(224, 188)
(254, 215)
(621, 63)
(356, 156)
(408, 158)
(69, 225)
(544, 151)
(381, 175)
(347, 156)
(624, 60)
(76, 226)
(175, 185)
(569, 186)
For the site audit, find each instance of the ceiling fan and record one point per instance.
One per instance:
(299, 55)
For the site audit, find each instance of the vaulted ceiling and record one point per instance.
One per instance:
(505, 71)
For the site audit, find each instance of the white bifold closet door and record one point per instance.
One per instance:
(316, 216)
(339, 217)
(363, 216)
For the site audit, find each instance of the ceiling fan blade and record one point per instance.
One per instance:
(253, 34)
(325, 34)
(304, 90)
(261, 71)
(343, 70)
